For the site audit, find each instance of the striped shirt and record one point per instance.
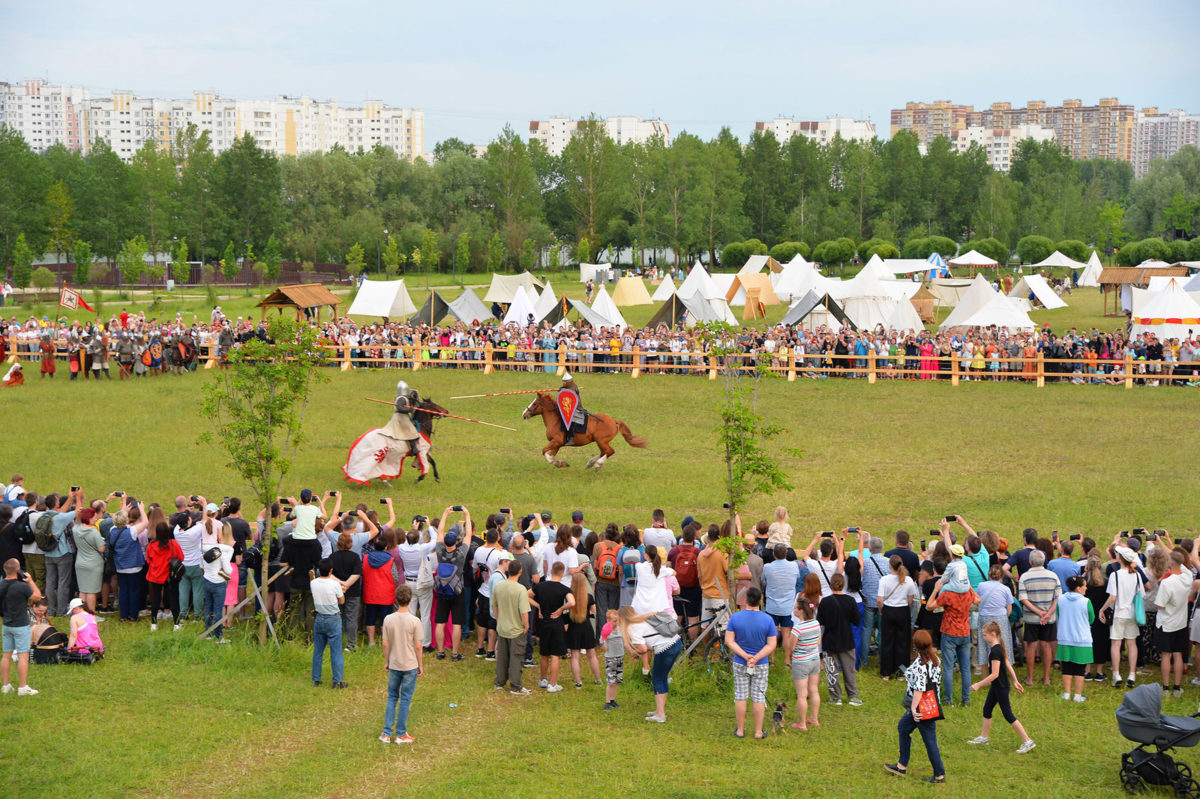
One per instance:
(808, 640)
(1040, 586)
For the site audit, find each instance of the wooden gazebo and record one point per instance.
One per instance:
(1113, 280)
(303, 297)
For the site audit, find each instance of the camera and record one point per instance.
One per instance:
(457, 508)
(1160, 532)
(333, 493)
(1054, 535)
(225, 501)
(22, 576)
(1139, 531)
(421, 519)
(252, 558)
(1076, 537)
(931, 532)
(725, 505)
(383, 502)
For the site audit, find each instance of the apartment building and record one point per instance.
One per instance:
(557, 131)
(821, 132)
(930, 120)
(1160, 135)
(1000, 144)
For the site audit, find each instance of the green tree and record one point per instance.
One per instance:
(430, 256)
(196, 206)
(1034, 249)
(553, 256)
(355, 262)
(734, 255)
(105, 201)
(511, 186)
(22, 261)
(1110, 227)
(247, 187)
(272, 260)
(131, 260)
(990, 247)
(61, 208)
(995, 214)
(1180, 214)
(156, 185)
(785, 251)
(83, 262)
(583, 251)
(24, 182)
(391, 257)
(527, 255)
(43, 279)
(462, 252)
(943, 246)
(1074, 249)
(495, 253)
(717, 193)
(592, 180)
(765, 194)
(181, 270)
(257, 408)
(155, 272)
(880, 247)
(229, 263)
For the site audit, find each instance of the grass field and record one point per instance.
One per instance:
(165, 715)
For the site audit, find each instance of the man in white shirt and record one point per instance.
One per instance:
(191, 585)
(487, 559)
(327, 629)
(304, 551)
(824, 565)
(658, 534)
(1171, 633)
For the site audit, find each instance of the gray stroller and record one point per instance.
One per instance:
(1141, 720)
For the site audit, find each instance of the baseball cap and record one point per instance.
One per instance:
(1126, 554)
(547, 516)
(451, 539)
(212, 508)
(506, 555)
(686, 521)
(75, 603)
(306, 495)
(576, 515)
(957, 550)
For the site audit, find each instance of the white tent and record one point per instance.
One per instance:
(1091, 272)
(867, 302)
(901, 289)
(388, 298)
(721, 310)
(811, 312)
(664, 291)
(604, 307)
(904, 317)
(977, 295)
(1192, 284)
(1171, 313)
(757, 263)
(468, 307)
(699, 281)
(905, 266)
(949, 290)
(796, 259)
(596, 272)
(545, 303)
(504, 287)
(798, 278)
(1058, 259)
(998, 311)
(723, 283)
(1040, 289)
(972, 258)
(521, 308)
(1152, 263)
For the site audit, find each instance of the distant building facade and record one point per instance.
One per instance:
(556, 132)
(821, 132)
(1000, 144)
(1160, 135)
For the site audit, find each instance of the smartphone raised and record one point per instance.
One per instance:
(506, 511)
(851, 529)
(952, 518)
(383, 502)
(827, 534)
(457, 508)
(1076, 536)
(923, 546)
(1054, 535)
(76, 488)
(118, 493)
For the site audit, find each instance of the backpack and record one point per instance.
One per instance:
(606, 563)
(447, 581)
(685, 566)
(627, 571)
(42, 535)
(22, 530)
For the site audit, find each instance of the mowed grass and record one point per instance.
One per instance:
(166, 715)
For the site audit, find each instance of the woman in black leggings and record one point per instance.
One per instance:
(896, 594)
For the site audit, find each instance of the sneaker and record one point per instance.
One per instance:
(403, 739)
(1116, 683)
(153, 627)
(656, 719)
(609, 706)
(578, 685)
(342, 684)
(521, 692)
(498, 687)
(1080, 698)
(1196, 681)
(385, 739)
(441, 655)
(553, 689)
(1026, 746)
(177, 628)
(936, 779)
(25, 690)
(316, 683)
(457, 657)
(427, 649)
(645, 672)
(1177, 692)
(978, 739)
(490, 656)
(895, 768)
(220, 640)
(480, 652)
(543, 683)
(7, 689)
(1129, 683)
(1066, 696)
(837, 703)
(856, 702)
(528, 664)
(100, 619)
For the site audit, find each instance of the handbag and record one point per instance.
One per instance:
(929, 705)
(664, 625)
(1139, 607)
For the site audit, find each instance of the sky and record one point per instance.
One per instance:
(474, 67)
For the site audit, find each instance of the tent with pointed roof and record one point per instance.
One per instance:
(1036, 286)
(432, 312)
(998, 311)
(949, 290)
(699, 281)
(1091, 273)
(923, 302)
(938, 266)
(504, 287)
(1057, 259)
(631, 291)
(545, 303)
(742, 285)
(977, 295)
(904, 317)
(604, 307)
(387, 298)
(1171, 313)
(814, 310)
(973, 259)
(468, 308)
(756, 263)
(722, 282)
(798, 278)
(521, 310)
(671, 313)
(665, 290)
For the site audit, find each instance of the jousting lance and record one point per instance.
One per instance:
(506, 393)
(448, 415)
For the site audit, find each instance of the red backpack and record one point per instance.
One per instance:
(607, 567)
(685, 566)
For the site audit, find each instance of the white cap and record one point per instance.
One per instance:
(75, 603)
(567, 377)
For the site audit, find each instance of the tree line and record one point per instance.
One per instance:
(518, 206)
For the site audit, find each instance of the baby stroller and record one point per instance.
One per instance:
(1140, 719)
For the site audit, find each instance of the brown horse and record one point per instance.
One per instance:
(600, 428)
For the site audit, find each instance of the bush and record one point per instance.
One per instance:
(97, 271)
(754, 247)
(880, 247)
(945, 247)
(918, 247)
(1178, 250)
(734, 255)
(1033, 249)
(838, 251)
(1074, 249)
(43, 278)
(787, 250)
(990, 247)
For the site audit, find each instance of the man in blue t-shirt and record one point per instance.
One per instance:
(750, 635)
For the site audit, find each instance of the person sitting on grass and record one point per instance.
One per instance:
(84, 634)
(1001, 676)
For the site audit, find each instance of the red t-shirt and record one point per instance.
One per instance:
(158, 560)
(957, 618)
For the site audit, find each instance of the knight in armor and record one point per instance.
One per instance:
(403, 427)
(578, 421)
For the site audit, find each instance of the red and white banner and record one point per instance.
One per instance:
(69, 299)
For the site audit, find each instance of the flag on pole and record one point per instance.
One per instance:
(72, 299)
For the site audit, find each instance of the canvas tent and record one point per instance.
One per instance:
(521, 308)
(722, 282)
(504, 287)
(631, 291)
(468, 308)
(973, 259)
(923, 302)
(998, 311)
(596, 272)
(1091, 272)
(938, 266)
(1171, 313)
(798, 278)
(665, 290)
(814, 310)
(742, 286)
(387, 298)
(545, 303)
(949, 290)
(904, 317)
(1057, 259)
(699, 281)
(977, 295)
(869, 304)
(905, 266)
(756, 263)
(1041, 291)
(432, 312)
(670, 313)
(605, 308)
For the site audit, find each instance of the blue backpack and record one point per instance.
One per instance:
(448, 581)
(627, 571)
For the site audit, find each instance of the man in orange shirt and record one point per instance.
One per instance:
(713, 566)
(956, 635)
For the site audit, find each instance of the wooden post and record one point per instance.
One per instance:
(346, 364)
(712, 367)
(636, 371)
(1041, 369)
(562, 360)
(1128, 370)
(212, 356)
(488, 365)
(418, 354)
(871, 366)
(953, 368)
(791, 365)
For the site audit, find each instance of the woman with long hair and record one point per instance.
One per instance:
(1097, 594)
(159, 553)
(650, 595)
(643, 636)
(923, 674)
(562, 551)
(803, 641)
(581, 629)
(897, 591)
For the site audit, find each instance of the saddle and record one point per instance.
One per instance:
(577, 427)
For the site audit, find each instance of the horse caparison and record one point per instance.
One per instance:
(424, 421)
(601, 429)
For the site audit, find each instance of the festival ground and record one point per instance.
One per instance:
(151, 719)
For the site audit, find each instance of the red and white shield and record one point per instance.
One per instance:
(568, 401)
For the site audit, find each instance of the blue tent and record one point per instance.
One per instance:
(938, 264)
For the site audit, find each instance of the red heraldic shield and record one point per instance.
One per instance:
(568, 401)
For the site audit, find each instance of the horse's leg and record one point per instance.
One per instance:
(606, 451)
(436, 477)
(551, 453)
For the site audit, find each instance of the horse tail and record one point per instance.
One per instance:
(630, 438)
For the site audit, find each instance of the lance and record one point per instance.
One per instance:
(447, 415)
(506, 393)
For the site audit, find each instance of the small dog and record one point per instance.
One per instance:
(777, 715)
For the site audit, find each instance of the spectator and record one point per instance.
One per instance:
(89, 557)
(614, 658)
(923, 674)
(191, 585)
(530, 575)
(956, 635)
(875, 567)
(1039, 590)
(402, 657)
(751, 636)
(218, 562)
(561, 551)
(713, 565)
(581, 629)
(896, 594)
(1064, 566)
(826, 565)
(837, 614)
(998, 683)
(1019, 560)
(378, 586)
(657, 633)
(779, 583)
(1124, 585)
(159, 554)
(15, 596)
(510, 602)
(486, 561)
(1074, 653)
(327, 598)
(804, 643)
(630, 554)
(84, 635)
(451, 556)
(650, 594)
(684, 560)
(657, 534)
(1172, 634)
(348, 570)
(780, 531)
(608, 572)
(903, 549)
(129, 558)
(1097, 594)
(552, 599)
(995, 604)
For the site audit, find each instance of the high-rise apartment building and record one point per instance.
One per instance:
(930, 120)
(1159, 136)
(821, 132)
(46, 114)
(556, 132)
(1000, 144)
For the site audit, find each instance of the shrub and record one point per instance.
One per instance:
(1073, 249)
(990, 247)
(1033, 249)
(787, 250)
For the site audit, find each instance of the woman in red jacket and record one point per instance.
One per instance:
(159, 553)
(379, 585)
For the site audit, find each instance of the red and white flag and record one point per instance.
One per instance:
(72, 299)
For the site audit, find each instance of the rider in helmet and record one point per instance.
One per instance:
(402, 427)
(578, 421)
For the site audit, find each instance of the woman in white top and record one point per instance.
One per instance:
(1123, 585)
(561, 552)
(896, 594)
(216, 572)
(651, 594)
